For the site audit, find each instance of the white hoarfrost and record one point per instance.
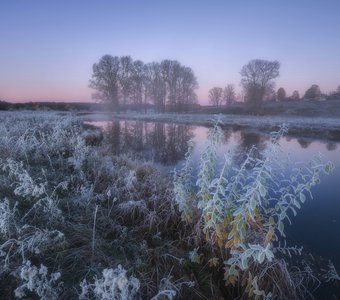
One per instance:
(37, 281)
(113, 285)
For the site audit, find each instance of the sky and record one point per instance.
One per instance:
(47, 48)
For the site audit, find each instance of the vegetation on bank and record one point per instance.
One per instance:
(329, 108)
(79, 222)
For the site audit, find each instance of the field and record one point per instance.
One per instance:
(77, 222)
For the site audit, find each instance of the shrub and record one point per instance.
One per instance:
(243, 209)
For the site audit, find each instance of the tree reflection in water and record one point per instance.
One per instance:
(167, 143)
(331, 146)
(247, 141)
(304, 143)
(158, 142)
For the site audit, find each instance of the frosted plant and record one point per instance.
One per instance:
(7, 218)
(114, 285)
(216, 207)
(80, 153)
(38, 281)
(28, 188)
(195, 257)
(183, 186)
(25, 186)
(257, 292)
(35, 240)
(207, 166)
(168, 289)
(241, 258)
(130, 179)
(31, 240)
(245, 211)
(331, 274)
(290, 251)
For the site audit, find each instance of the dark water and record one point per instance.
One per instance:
(317, 225)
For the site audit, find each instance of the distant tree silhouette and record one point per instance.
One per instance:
(229, 95)
(105, 80)
(270, 95)
(156, 86)
(137, 83)
(295, 96)
(257, 79)
(313, 92)
(125, 77)
(215, 96)
(281, 94)
(338, 91)
(121, 81)
(181, 84)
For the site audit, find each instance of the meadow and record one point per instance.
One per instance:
(78, 222)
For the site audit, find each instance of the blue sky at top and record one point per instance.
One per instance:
(47, 48)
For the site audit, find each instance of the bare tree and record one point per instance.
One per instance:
(125, 77)
(156, 85)
(187, 84)
(105, 80)
(163, 83)
(215, 96)
(281, 94)
(180, 84)
(229, 95)
(257, 79)
(137, 83)
(170, 72)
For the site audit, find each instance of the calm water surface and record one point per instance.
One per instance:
(317, 225)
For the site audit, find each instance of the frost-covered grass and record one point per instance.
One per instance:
(68, 207)
(77, 222)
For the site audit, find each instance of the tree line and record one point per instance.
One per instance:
(122, 81)
(258, 85)
(170, 86)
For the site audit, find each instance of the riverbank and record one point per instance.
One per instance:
(312, 127)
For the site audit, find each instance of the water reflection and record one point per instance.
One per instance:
(304, 143)
(158, 142)
(247, 141)
(331, 146)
